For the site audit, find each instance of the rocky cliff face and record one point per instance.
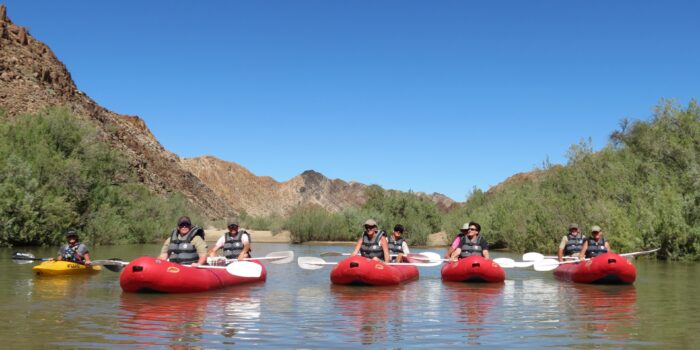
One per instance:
(32, 78)
(262, 195)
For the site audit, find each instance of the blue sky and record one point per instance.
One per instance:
(432, 96)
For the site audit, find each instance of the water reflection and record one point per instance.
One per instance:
(60, 287)
(189, 321)
(472, 304)
(370, 315)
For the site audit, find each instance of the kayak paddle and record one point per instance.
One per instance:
(283, 257)
(551, 264)
(505, 263)
(238, 268)
(314, 263)
(26, 258)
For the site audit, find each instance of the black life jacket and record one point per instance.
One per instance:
(372, 248)
(595, 248)
(233, 245)
(181, 250)
(574, 244)
(395, 246)
(71, 253)
(470, 248)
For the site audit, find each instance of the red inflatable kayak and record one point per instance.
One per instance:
(148, 274)
(606, 268)
(473, 269)
(357, 270)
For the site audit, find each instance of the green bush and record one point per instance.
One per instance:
(56, 173)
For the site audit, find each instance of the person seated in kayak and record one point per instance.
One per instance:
(571, 243)
(235, 243)
(185, 245)
(373, 243)
(397, 245)
(74, 250)
(594, 245)
(468, 242)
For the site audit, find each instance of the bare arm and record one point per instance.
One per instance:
(582, 254)
(357, 247)
(607, 246)
(244, 252)
(385, 247)
(164, 250)
(485, 253)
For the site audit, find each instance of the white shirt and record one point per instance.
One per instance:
(222, 240)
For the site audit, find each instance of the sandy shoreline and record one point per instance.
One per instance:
(438, 239)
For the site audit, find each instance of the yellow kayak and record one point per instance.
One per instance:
(61, 268)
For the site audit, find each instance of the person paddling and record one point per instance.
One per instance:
(373, 243)
(594, 245)
(186, 244)
(397, 245)
(235, 244)
(468, 242)
(571, 244)
(74, 250)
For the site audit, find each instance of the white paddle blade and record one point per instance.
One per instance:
(432, 256)
(310, 263)
(505, 263)
(21, 261)
(533, 256)
(244, 269)
(284, 257)
(523, 263)
(546, 265)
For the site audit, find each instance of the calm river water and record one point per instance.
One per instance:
(301, 309)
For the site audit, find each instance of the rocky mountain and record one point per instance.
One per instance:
(33, 78)
(260, 195)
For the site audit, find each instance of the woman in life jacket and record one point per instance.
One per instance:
(398, 248)
(594, 245)
(74, 250)
(185, 245)
(373, 243)
(468, 242)
(571, 243)
(235, 243)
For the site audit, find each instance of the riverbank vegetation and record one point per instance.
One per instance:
(643, 189)
(56, 173)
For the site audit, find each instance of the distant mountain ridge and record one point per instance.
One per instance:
(33, 78)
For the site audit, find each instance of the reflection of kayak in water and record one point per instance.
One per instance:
(147, 274)
(473, 269)
(606, 268)
(473, 303)
(357, 270)
(62, 268)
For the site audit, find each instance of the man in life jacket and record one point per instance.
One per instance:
(468, 242)
(74, 250)
(236, 244)
(185, 245)
(594, 245)
(397, 245)
(571, 243)
(373, 243)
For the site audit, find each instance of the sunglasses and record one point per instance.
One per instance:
(367, 227)
(184, 225)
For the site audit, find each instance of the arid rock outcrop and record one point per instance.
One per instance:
(262, 195)
(32, 78)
